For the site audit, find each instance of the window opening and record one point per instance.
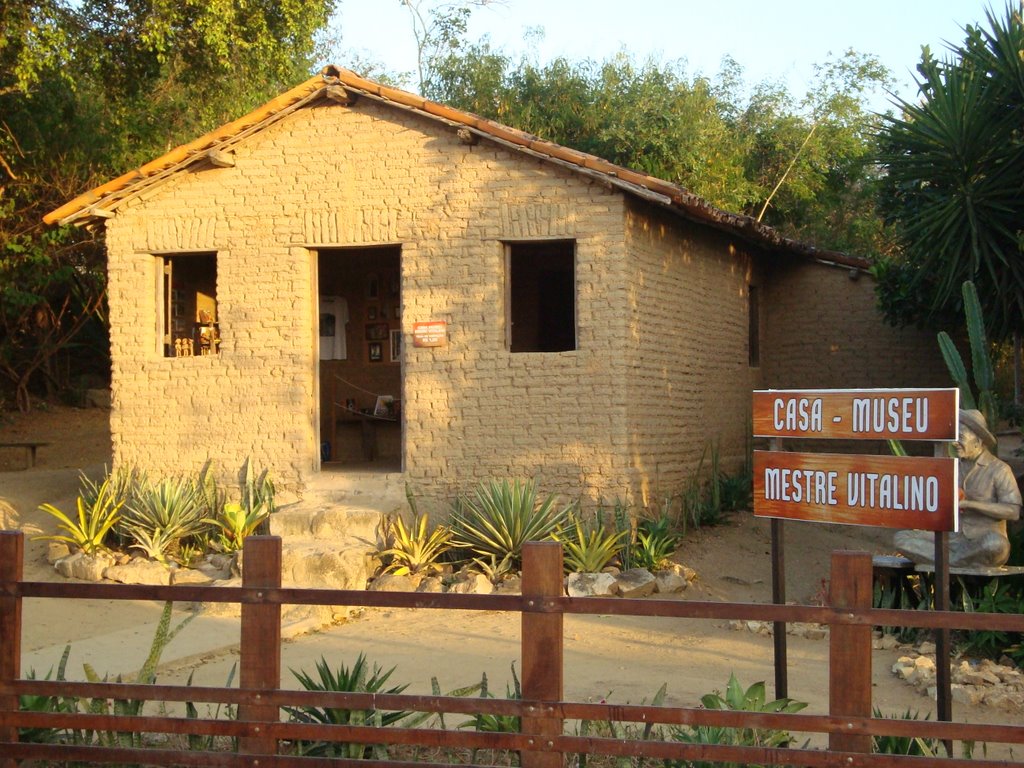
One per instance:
(189, 307)
(542, 297)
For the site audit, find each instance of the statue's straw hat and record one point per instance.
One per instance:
(975, 421)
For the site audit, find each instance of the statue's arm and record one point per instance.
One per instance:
(1008, 503)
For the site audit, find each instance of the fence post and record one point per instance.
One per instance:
(260, 653)
(542, 652)
(849, 652)
(12, 559)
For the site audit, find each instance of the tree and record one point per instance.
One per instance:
(89, 88)
(809, 159)
(438, 28)
(954, 183)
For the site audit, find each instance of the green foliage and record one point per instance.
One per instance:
(234, 524)
(416, 549)
(710, 496)
(99, 509)
(903, 745)
(981, 361)
(589, 546)
(753, 699)
(359, 678)
(207, 742)
(160, 515)
(46, 704)
(620, 731)
(735, 145)
(954, 166)
(996, 597)
(88, 90)
(499, 518)
(147, 675)
(654, 545)
(496, 723)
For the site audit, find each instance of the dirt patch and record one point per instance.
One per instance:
(75, 437)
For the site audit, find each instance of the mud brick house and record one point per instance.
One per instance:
(351, 274)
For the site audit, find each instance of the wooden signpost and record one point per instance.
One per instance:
(891, 491)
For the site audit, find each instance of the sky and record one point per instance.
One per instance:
(779, 40)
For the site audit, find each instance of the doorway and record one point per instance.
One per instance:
(361, 421)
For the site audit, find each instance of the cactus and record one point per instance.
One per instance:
(981, 362)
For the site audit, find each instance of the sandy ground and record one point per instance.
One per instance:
(619, 658)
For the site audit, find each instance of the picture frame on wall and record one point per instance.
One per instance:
(396, 346)
(376, 331)
(376, 351)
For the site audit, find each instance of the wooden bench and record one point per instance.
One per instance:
(30, 446)
(897, 564)
(891, 571)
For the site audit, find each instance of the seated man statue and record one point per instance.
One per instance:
(988, 498)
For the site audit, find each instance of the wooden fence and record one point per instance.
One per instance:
(544, 739)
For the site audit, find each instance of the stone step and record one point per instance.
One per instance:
(377, 490)
(324, 521)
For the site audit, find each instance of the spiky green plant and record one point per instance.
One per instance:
(161, 515)
(416, 549)
(902, 745)
(234, 524)
(99, 510)
(588, 546)
(45, 703)
(147, 676)
(359, 678)
(499, 518)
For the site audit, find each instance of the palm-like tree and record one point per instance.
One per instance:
(955, 176)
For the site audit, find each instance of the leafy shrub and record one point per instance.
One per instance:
(996, 597)
(357, 679)
(99, 510)
(500, 518)
(753, 699)
(653, 544)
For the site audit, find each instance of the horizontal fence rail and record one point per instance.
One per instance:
(542, 740)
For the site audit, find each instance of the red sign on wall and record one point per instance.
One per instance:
(432, 334)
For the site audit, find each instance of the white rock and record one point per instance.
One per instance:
(389, 582)
(139, 571)
(636, 582)
(83, 566)
(669, 582)
(591, 585)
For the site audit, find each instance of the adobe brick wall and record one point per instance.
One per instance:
(822, 330)
(332, 177)
(689, 378)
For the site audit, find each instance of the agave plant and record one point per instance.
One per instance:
(416, 549)
(161, 515)
(357, 679)
(500, 518)
(589, 547)
(99, 510)
(234, 524)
